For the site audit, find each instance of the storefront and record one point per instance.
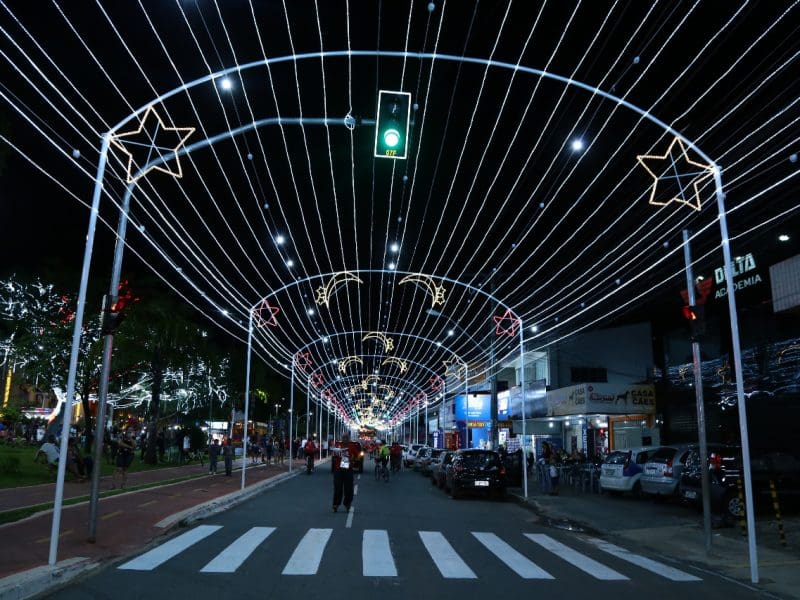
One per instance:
(595, 418)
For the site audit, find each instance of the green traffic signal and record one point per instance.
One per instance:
(391, 124)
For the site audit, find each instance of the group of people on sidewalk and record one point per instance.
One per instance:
(214, 452)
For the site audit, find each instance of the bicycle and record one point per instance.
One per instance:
(381, 471)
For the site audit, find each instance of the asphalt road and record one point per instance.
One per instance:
(403, 539)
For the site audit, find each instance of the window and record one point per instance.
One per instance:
(589, 375)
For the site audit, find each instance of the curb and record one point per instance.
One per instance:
(41, 579)
(223, 503)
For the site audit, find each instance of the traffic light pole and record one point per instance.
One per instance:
(701, 411)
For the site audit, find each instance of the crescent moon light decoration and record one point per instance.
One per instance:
(396, 361)
(388, 343)
(436, 291)
(347, 361)
(324, 292)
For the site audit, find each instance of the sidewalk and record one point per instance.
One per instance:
(671, 530)
(127, 522)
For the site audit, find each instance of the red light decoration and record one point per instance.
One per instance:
(302, 361)
(437, 383)
(265, 315)
(317, 380)
(506, 324)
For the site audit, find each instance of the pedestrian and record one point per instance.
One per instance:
(187, 445)
(213, 453)
(343, 472)
(269, 448)
(161, 445)
(125, 450)
(553, 477)
(50, 451)
(227, 455)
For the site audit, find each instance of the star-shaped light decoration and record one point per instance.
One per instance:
(681, 169)
(151, 140)
(453, 367)
(265, 315)
(509, 329)
(317, 380)
(437, 383)
(302, 360)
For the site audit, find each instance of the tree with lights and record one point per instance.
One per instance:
(36, 339)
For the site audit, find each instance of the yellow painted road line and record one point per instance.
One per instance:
(110, 515)
(148, 503)
(60, 535)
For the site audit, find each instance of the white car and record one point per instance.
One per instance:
(622, 470)
(410, 455)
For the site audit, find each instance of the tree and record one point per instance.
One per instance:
(36, 340)
(159, 336)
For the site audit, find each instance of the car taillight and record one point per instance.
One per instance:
(668, 470)
(502, 471)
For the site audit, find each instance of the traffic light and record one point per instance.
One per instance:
(697, 320)
(391, 124)
(112, 315)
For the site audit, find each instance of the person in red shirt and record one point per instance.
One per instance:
(342, 467)
(310, 448)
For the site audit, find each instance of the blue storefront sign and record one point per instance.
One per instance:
(473, 411)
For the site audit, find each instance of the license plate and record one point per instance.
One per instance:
(691, 494)
(608, 472)
(481, 484)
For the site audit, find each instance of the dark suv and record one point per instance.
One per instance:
(475, 470)
(725, 471)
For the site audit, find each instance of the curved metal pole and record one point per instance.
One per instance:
(737, 365)
(73, 359)
(247, 395)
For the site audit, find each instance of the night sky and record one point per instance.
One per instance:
(494, 204)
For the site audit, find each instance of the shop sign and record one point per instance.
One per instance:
(477, 424)
(742, 265)
(505, 425)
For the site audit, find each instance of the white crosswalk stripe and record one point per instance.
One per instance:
(308, 554)
(513, 559)
(378, 560)
(447, 560)
(584, 563)
(642, 561)
(376, 555)
(161, 554)
(234, 555)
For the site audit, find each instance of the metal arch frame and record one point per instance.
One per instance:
(720, 197)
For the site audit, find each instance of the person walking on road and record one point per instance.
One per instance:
(343, 472)
(227, 455)
(213, 454)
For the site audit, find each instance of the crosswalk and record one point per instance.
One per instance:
(379, 560)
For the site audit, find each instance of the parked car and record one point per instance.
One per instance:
(475, 470)
(622, 470)
(411, 454)
(423, 455)
(439, 467)
(725, 472)
(662, 471)
(426, 462)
